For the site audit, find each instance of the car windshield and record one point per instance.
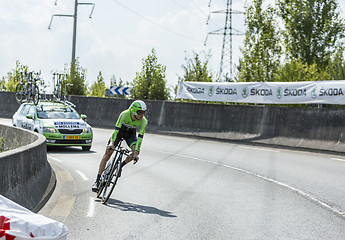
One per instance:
(56, 112)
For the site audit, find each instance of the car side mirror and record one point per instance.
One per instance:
(83, 116)
(29, 116)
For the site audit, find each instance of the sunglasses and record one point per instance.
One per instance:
(141, 112)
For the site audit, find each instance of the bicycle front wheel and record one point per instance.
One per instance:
(105, 176)
(19, 92)
(110, 184)
(102, 184)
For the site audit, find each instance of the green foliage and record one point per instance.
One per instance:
(313, 29)
(337, 70)
(121, 83)
(296, 71)
(261, 52)
(3, 84)
(336, 66)
(76, 80)
(9, 82)
(98, 87)
(195, 70)
(150, 83)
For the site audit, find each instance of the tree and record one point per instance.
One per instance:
(336, 67)
(9, 83)
(98, 87)
(195, 70)
(313, 29)
(121, 83)
(3, 84)
(261, 52)
(76, 80)
(150, 83)
(296, 70)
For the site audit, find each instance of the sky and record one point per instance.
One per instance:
(120, 34)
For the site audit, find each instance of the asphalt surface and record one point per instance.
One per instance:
(184, 188)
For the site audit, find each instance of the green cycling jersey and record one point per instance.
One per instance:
(126, 120)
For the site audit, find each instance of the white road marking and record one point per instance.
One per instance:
(261, 149)
(82, 175)
(302, 193)
(55, 159)
(181, 138)
(338, 159)
(91, 211)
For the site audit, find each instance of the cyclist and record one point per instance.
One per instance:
(125, 127)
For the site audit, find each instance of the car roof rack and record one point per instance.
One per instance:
(68, 103)
(60, 101)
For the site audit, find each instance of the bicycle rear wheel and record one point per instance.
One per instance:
(19, 92)
(112, 180)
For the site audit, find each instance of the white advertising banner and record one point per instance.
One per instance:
(319, 92)
(18, 223)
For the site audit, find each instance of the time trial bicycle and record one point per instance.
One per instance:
(111, 173)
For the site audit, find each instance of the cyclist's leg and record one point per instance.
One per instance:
(107, 154)
(131, 142)
(128, 159)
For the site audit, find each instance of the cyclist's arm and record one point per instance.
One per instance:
(141, 134)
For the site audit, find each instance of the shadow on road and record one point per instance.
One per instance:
(123, 206)
(67, 150)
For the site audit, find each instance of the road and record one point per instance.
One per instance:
(184, 188)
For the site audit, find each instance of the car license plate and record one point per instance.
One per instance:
(71, 137)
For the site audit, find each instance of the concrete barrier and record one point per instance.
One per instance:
(26, 176)
(8, 104)
(309, 128)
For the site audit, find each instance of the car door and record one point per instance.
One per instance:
(31, 122)
(21, 118)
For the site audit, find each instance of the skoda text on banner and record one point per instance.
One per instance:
(319, 92)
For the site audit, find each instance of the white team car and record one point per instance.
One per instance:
(59, 122)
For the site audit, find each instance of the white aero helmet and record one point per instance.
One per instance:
(137, 105)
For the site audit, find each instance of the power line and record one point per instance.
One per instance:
(19, 22)
(158, 25)
(178, 4)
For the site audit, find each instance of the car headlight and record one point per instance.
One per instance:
(88, 130)
(49, 129)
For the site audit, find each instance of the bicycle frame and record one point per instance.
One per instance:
(58, 90)
(28, 89)
(110, 174)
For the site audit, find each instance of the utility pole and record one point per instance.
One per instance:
(225, 68)
(75, 17)
(74, 41)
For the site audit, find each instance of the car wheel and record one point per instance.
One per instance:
(86, 148)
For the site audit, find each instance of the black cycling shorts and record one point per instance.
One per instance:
(128, 135)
